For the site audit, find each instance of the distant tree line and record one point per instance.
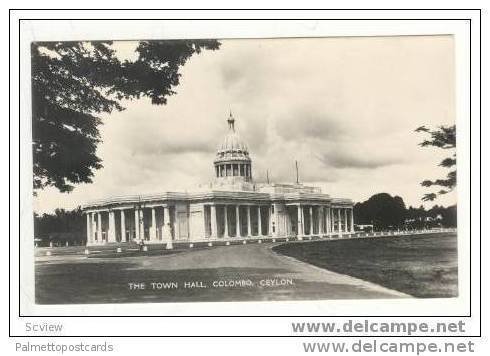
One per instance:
(60, 227)
(385, 212)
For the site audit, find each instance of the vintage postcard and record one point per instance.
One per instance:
(230, 170)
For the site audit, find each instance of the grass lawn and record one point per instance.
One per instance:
(424, 266)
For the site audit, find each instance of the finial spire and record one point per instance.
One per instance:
(231, 122)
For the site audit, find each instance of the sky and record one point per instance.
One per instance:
(345, 108)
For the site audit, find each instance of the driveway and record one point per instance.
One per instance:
(226, 273)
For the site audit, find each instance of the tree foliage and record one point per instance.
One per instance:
(74, 82)
(419, 218)
(443, 137)
(384, 211)
(62, 225)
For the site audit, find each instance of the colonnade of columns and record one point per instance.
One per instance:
(102, 227)
(322, 220)
(235, 220)
(154, 223)
(234, 170)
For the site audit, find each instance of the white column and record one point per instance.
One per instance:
(346, 229)
(136, 224)
(329, 220)
(99, 227)
(111, 233)
(339, 225)
(123, 227)
(300, 221)
(167, 228)
(352, 220)
(225, 234)
(94, 227)
(89, 235)
(237, 234)
(142, 224)
(153, 229)
(325, 216)
(249, 223)
(214, 224)
(311, 220)
(342, 217)
(320, 214)
(259, 221)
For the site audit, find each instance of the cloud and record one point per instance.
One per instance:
(342, 159)
(174, 145)
(305, 123)
(248, 69)
(344, 108)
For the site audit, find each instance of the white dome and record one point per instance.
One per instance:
(233, 143)
(232, 146)
(232, 164)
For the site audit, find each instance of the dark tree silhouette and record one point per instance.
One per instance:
(61, 226)
(382, 210)
(387, 212)
(74, 82)
(443, 137)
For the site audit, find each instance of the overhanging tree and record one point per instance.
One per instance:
(443, 137)
(74, 82)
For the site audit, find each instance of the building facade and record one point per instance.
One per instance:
(231, 207)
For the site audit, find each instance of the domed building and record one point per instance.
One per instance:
(232, 208)
(232, 163)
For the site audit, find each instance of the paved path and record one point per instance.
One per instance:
(226, 273)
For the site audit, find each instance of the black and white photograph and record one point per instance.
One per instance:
(236, 170)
